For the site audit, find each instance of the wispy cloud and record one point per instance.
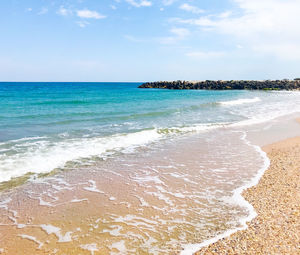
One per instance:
(269, 27)
(82, 23)
(88, 14)
(205, 54)
(168, 2)
(43, 11)
(82, 14)
(141, 3)
(134, 39)
(191, 8)
(64, 11)
(178, 34)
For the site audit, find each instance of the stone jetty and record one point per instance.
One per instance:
(226, 85)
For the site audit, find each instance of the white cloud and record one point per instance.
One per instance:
(43, 11)
(113, 7)
(82, 23)
(141, 3)
(179, 34)
(168, 2)
(206, 54)
(191, 8)
(87, 14)
(83, 14)
(225, 14)
(269, 27)
(63, 11)
(29, 9)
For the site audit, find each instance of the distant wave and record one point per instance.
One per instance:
(62, 102)
(170, 111)
(241, 101)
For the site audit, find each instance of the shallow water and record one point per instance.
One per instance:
(137, 171)
(62, 122)
(151, 201)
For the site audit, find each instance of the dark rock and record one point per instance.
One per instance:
(226, 85)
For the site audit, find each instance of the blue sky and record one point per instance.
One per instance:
(147, 40)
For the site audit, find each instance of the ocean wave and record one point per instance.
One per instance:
(42, 155)
(45, 156)
(62, 102)
(193, 128)
(241, 101)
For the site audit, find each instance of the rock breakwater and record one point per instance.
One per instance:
(226, 85)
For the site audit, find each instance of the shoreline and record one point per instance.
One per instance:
(85, 203)
(239, 199)
(263, 233)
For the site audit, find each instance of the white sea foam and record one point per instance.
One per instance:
(50, 229)
(240, 101)
(120, 246)
(26, 139)
(44, 156)
(44, 203)
(115, 231)
(3, 204)
(93, 187)
(76, 200)
(238, 199)
(40, 154)
(201, 127)
(32, 238)
(92, 247)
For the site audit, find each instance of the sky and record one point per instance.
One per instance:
(149, 40)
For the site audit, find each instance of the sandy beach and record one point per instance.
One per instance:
(143, 127)
(162, 199)
(276, 229)
(61, 216)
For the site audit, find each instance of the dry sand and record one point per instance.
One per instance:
(276, 199)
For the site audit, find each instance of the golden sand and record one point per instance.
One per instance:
(276, 199)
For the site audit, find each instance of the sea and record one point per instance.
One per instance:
(144, 171)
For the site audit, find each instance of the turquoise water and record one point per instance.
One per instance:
(61, 122)
(101, 108)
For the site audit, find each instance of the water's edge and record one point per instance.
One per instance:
(237, 197)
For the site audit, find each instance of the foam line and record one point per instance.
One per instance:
(49, 229)
(32, 238)
(90, 247)
(237, 197)
(241, 101)
(56, 154)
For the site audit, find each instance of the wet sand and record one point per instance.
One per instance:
(276, 199)
(151, 202)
